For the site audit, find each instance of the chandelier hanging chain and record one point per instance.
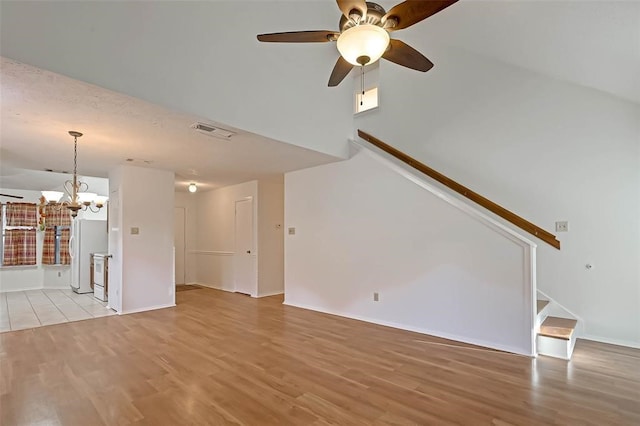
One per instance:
(75, 156)
(75, 167)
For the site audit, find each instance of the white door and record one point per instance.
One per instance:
(179, 243)
(244, 259)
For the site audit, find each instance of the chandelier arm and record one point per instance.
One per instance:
(68, 188)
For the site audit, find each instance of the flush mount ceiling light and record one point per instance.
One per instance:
(76, 196)
(363, 37)
(192, 187)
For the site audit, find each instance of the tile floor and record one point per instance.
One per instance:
(35, 308)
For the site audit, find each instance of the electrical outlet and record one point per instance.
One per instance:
(376, 297)
(562, 226)
(59, 274)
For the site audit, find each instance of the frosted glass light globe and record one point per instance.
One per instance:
(52, 196)
(363, 40)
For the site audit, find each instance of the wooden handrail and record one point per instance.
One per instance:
(521, 223)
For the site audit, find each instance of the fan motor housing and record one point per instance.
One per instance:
(375, 12)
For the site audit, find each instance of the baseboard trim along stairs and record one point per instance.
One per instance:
(556, 336)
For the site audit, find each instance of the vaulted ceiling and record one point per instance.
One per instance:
(146, 70)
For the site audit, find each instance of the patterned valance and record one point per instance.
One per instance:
(21, 214)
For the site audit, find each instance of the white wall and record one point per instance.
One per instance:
(144, 261)
(362, 228)
(211, 235)
(270, 237)
(115, 240)
(17, 278)
(215, 242)
(547, 150)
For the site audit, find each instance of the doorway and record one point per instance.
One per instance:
(245, 259)
(179, 244)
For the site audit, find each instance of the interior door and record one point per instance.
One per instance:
(179, 243)
(245, 268)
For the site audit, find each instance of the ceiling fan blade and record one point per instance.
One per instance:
(340, 71)
(12, 196)
(405, 55)
(320, 36)
(346, 6)
(410, 12)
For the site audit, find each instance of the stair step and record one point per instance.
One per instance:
(559, 328)
(542, 304)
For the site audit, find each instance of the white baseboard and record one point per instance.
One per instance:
(271, 293)
(215, 287)
(150, 308)
(608, 341)
(420, 330)
(15, 290)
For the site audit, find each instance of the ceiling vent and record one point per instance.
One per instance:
(211, 130)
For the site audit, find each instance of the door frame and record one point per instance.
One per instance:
(184, 245)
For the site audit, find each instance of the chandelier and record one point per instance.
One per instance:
(77, 197)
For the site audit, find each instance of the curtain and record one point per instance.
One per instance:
(65, 258)
(19, 247)
(21, 214)
(56, 215)
(49, 247)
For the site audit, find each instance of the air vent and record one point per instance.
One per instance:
(210, 130)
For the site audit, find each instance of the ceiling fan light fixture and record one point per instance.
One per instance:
(362, 42)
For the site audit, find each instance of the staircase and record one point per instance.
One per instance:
(554, 326)
(556, 336)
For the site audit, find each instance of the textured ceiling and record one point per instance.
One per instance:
(39, 107)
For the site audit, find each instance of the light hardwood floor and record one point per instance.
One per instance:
(222, 358)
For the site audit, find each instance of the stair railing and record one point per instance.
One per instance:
(509, 216)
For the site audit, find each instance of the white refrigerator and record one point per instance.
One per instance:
(87, 236)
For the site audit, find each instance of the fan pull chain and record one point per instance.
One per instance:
(362, 84)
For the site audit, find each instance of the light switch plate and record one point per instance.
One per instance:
(135, 230)
(562, 226)
(292, 231)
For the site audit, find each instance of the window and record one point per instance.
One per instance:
(57, 223)
(18, 234)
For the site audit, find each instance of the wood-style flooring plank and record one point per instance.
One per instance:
(222, 358)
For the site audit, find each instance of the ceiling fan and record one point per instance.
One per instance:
(364, 35)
